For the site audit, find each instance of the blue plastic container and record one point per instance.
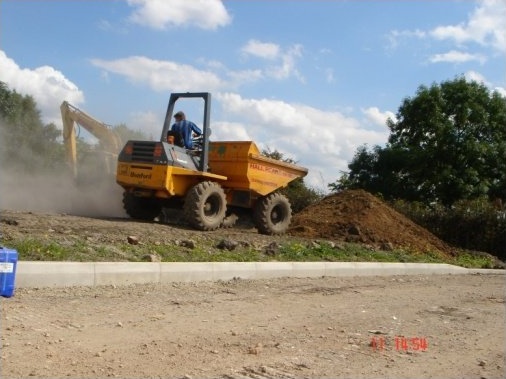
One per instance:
(8, 263)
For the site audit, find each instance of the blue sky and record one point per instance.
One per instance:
(311, 79)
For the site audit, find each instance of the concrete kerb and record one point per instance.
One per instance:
(54, 274)
(67, 274)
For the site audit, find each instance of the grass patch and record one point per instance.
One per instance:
(30, 249)
(352, 253)
(85, 251)
(472, 260)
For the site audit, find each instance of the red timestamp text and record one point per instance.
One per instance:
(399, 343)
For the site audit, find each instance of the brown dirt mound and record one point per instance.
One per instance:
(357, 216)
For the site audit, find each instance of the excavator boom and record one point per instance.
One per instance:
(110, 141)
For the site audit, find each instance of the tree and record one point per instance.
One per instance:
(447, 144)
(25, 141)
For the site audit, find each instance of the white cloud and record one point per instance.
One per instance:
(396, 36)
(501, 91)
(48, 86)
(322, 141)
(377, 117)
(265, 111)
(477, 77)
(161, 75)
(288, 65)
(259, 49)
(284, 61)
(455, 56)
(229, 131)
(486, 26)
(160, 14)
(176, 77)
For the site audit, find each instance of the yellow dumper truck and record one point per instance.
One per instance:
(208, 182)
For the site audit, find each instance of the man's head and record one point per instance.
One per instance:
(179, 116)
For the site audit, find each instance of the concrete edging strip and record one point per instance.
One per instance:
(66, 274)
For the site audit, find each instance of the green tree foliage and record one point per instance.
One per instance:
(299, 194)
(26, 142)
(447, 144)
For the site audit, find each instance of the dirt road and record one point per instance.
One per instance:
(363, 327)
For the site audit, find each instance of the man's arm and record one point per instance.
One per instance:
(195, 128)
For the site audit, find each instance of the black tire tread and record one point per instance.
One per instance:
(195, 201)
(263, 211)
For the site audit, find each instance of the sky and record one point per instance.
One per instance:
(313, 80)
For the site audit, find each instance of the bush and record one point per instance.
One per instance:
(300, 195)
(471, 224)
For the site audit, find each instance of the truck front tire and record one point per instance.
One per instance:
(205, 206)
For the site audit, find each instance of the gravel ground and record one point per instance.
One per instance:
(438, 326)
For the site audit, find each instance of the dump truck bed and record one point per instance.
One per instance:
(246, 169)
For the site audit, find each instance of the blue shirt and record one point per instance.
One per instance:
(185, 128)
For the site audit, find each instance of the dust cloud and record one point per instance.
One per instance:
(56, 191)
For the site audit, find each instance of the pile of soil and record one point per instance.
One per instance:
(358, 216)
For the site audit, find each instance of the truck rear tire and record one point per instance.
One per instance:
(205, 206)
(141, 208)
(272, 214)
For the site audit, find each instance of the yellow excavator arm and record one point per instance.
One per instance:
(110, 141)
